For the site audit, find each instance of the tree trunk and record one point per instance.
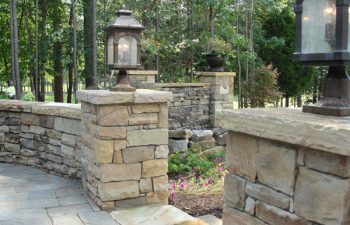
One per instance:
(29, 47)
(14, 46)
(43, 49)
(287, 101)
(299, 101)
(57, 52)
(70, 65)
(36, 76)
(239, 66)
(75, 66)
(89, 57)
(58, 68)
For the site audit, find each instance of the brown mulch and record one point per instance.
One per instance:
(199, 204)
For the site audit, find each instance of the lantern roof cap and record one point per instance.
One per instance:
(124, 19)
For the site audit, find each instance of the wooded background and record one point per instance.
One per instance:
(63, 42)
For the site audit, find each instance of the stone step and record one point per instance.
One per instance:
(211, 220)
(155, 215)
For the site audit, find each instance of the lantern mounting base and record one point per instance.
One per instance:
(326, 111)
(123, 84)
(335, 99)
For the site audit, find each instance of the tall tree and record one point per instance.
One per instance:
(43, 51)
(90, 67)
(57, 8)
(14, 46)
(36, 77)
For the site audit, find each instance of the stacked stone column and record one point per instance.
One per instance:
(286, 167)
(125, 147)
(221, 91)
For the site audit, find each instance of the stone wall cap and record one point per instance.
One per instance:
(180, 85)
(142, 72)
(324, 133)
(72, 111)
(216, 74)
(105, 97)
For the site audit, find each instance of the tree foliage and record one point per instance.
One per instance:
(258, 32)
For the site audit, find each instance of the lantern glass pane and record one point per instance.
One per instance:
(110, 49)
(318, 26)
(127, 50)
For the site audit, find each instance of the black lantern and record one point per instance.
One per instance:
(323, 39)
(123, 38)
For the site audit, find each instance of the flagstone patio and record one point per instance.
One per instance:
(31, 196)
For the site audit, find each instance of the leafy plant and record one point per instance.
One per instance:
(191, 161)
(28, 97)
(217, 45)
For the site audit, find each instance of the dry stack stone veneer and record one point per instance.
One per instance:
(286, 168)
(125, 147)
(194, 104)
(44, 135)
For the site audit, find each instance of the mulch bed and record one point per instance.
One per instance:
(199, 204)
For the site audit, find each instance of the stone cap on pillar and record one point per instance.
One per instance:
(216, 74)
(105, 97)
(325, 133)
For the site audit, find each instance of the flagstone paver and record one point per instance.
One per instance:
(29, 196)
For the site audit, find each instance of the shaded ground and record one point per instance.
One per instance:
(29, 196)
(201, 204)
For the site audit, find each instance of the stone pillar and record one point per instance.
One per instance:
(144, 76)
(221, 91)
(125, 147)
(286, 167)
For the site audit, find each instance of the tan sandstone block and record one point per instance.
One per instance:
(120, 172)
(112, 115)
(104, 151)
(241, 153)
(119, 145)
(118, 190)
(138, 154)
(117, 157)
(234, 217)
(328, 163)
(154, 168)
(143, 118)
(322, 198)
(163, 116)
(234, 191)
(145, 108)
(146, 185)
(160, 183)
(147, 137)
(276, 166)
(160, 197)
(274, 215)
(110, 132)
(267, 195)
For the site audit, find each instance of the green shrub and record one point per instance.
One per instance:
(189, 162)
(28, 97)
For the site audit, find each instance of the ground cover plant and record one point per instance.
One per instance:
(196, 182)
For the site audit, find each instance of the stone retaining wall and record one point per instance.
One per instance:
(286, 167)
(194, 104)
(43, 135)
(190, 106)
